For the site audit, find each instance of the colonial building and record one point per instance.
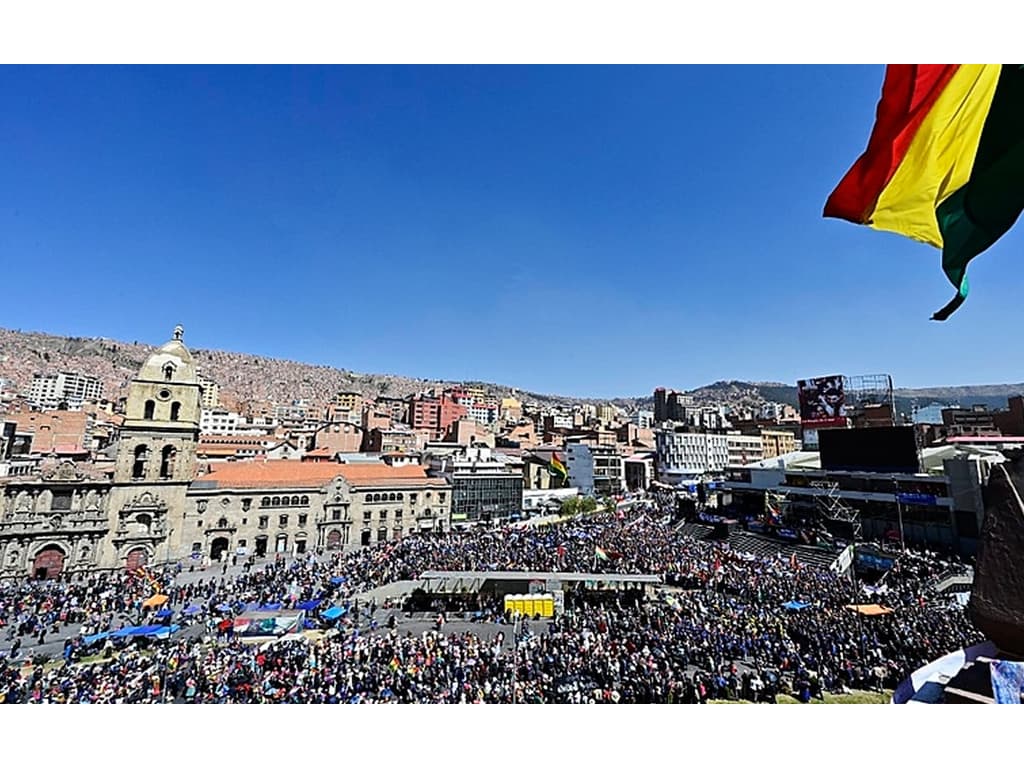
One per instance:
(67, 520)
(153, 507)
(267, 507)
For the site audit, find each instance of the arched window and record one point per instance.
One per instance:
(391, 497)
(168, 372)
(284, 501)
(399, 497)
(277, 501)
(139, 465)
(175, 410)
(148, 411)
(369, 497)
(222, 523)
(295, 501)
(376, 497)
(265, 501)
(305, 501)
(167, 457)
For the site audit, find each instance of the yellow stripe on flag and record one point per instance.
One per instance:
(940, 157)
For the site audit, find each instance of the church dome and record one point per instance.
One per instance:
(172, 362)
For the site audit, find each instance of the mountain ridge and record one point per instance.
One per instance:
(246, 378)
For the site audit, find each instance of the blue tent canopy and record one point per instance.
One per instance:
(192, 609)
(90, 639)
(270, 607)
(334, 612)
(795, 605)
(163, 613)
(308, 605)
(224, 607)
(337, 580)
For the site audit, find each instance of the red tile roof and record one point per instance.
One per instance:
(311, 474)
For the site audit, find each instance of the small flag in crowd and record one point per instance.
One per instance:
(600, 554)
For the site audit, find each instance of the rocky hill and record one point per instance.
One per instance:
(247, 378)
(242, 378)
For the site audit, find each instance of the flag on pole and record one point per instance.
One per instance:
(600, 554)
(944, 164)
(557, 468)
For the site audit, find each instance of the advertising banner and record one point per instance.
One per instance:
(822, 402)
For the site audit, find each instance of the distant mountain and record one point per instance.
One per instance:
(245, 378)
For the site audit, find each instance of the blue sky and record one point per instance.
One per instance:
(594, 231)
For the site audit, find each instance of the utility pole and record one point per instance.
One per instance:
(515, 658)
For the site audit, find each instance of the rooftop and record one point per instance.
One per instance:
(297, 474)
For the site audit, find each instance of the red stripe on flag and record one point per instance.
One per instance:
(908, 94)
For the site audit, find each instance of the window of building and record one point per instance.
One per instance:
(139, 465)
(175, 411)
(305, 501)
(382, 534)
(369, 497)
(302, 519)
(241, 543)
(398, 514)
(197, 546)
(222, 523)
(383, 515)
(412, 498)
(336, 514)
(283, 519)
(276, 501)
(265, 501)
(199, 523)
(300, 546)
(245, 521)
(147, 412)
(284, 501)
(264, 519)
(167, 458)
(366, 516)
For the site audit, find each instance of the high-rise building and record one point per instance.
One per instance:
(211, 392)
(67, 388)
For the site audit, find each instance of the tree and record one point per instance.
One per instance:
(570, 506)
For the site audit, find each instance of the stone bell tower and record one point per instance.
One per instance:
(156, 458)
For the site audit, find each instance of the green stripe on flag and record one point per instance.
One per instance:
(980, 212)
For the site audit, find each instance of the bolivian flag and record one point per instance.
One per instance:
(944, 164)
(557, 468)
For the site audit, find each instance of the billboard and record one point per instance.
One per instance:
(822, 402)
(869, 449)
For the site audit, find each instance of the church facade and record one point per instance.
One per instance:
(154, 509)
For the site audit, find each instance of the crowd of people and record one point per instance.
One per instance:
(727, 625)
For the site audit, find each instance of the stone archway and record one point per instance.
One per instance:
(334, 539)
(218, 547)
(48, 562)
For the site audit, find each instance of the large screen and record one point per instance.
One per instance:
(871, 449)
(822, 401)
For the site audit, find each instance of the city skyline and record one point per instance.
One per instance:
(528, 226)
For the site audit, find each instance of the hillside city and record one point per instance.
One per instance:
(155, 498)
